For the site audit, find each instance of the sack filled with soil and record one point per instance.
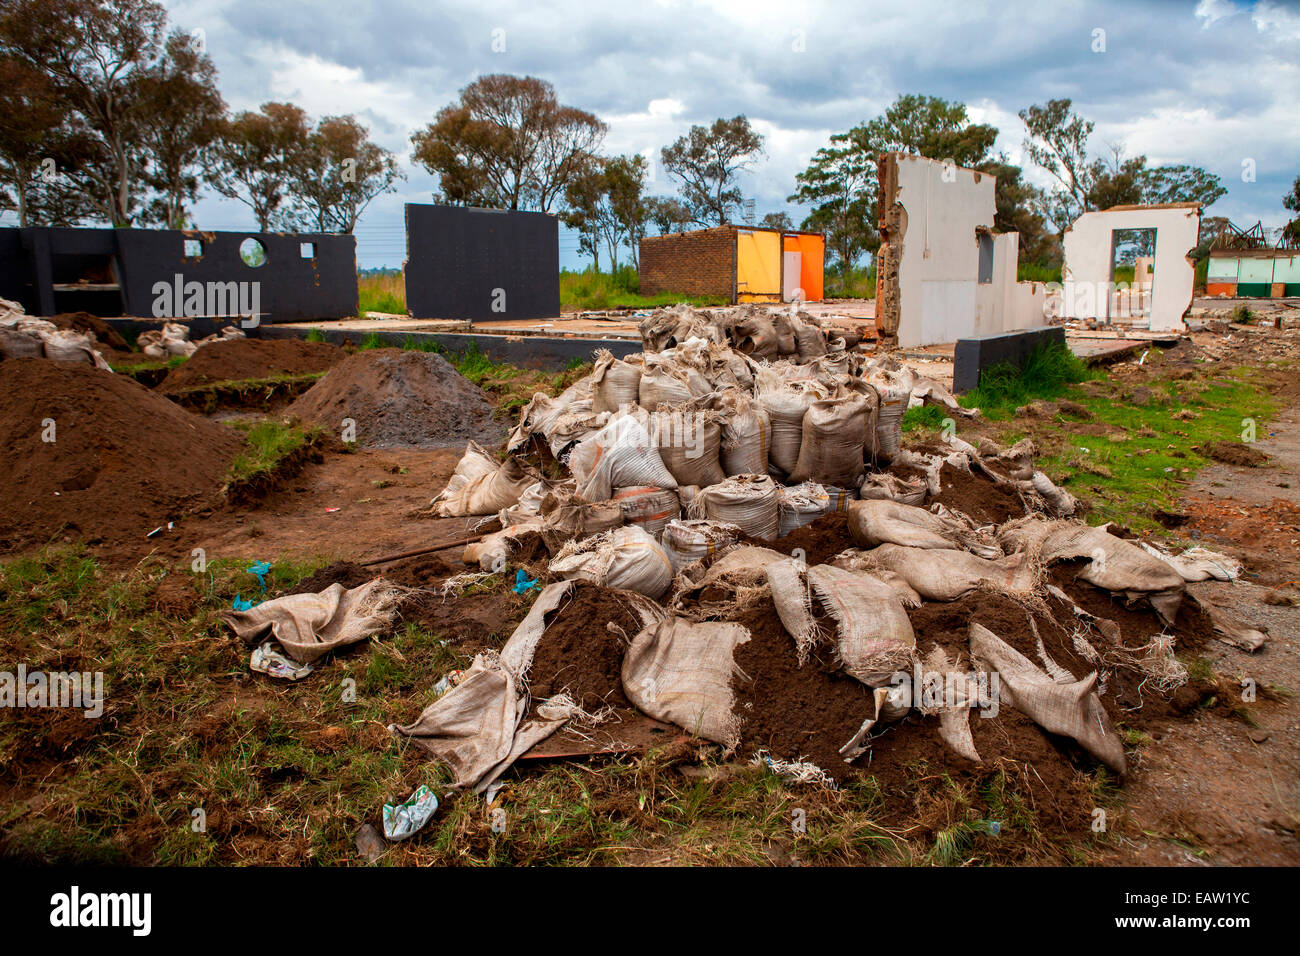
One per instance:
(626, 558)
(481, 485)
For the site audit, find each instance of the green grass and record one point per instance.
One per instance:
(1038, 272)
(856, 284)
(316, 335)
(1050, 370)
(383, 292)
(619, 289)
(1147, 454)
(148, 364)
(267, 442)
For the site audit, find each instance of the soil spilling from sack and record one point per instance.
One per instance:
(400, 398)
(123, 461)
(977, 497)
(104, 334)
(790, 711)
(242, 360)
(580, 654)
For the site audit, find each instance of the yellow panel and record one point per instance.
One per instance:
(758, 265)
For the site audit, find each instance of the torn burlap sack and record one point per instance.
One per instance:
(1116, 565)
(309, 626)
(478, 728)
(481, 485)
(681, 672)
(939, 575)
(1073, 709)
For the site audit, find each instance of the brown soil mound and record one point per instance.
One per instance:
(820, 540)
(240, 360)
(1233, 453)
(790, 711)
(104, 333)
(579, 654)
(124, 459)
(977, 497)
(399, 397)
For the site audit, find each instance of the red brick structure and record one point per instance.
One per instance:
(690, 263)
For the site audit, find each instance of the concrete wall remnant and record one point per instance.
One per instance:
(183, 274)
(942, 274)
(468, 263)
(1089, 290)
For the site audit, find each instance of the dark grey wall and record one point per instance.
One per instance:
(972, 356)
(290, 288)
(457, 257)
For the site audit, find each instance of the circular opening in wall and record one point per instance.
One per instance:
(252, 252)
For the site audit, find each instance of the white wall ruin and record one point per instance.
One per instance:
(942, 274)
(1089, 290)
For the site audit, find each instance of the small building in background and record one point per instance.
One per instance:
(737, 263)
(121, 272)
(1253, 273)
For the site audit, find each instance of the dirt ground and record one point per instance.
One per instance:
(1217, 783)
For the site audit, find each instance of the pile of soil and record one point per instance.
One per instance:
(241, 360)
(977, 496)
(401, 398)
(104, 333)
(124, 460)
(790, 711)
(579, 654)
(820, 540)
(1233, 453)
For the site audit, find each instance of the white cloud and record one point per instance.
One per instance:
(1212, 11)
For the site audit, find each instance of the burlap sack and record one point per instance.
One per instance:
(681, 672)
(689, 541)
(16, 343)
(832, 440)
(477, 728)
(750, 502)
(881, 521)
(626, 558)
(650, 509)
(875, 637)
(620, 455)
(755, 335)
(954, 714)
(481, 485)
(746, 435)
(688, 438)
(1073, 709)
(785, 407)
(615, 383)
(792, 596)
(799, 505)
(664, 381)
(889, 419)
(881, 485)
(939, 575)
(567, 518)
(1115, 565)
(309, 626)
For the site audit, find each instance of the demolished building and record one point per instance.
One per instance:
(943, 274)
(1089, 290)
(737, 263)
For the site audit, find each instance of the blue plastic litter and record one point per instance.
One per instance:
(239, 604)
(261, 569)
(522, 583)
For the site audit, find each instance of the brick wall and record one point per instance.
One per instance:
(690, 263)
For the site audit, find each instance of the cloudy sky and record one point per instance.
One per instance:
(1214, 83)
